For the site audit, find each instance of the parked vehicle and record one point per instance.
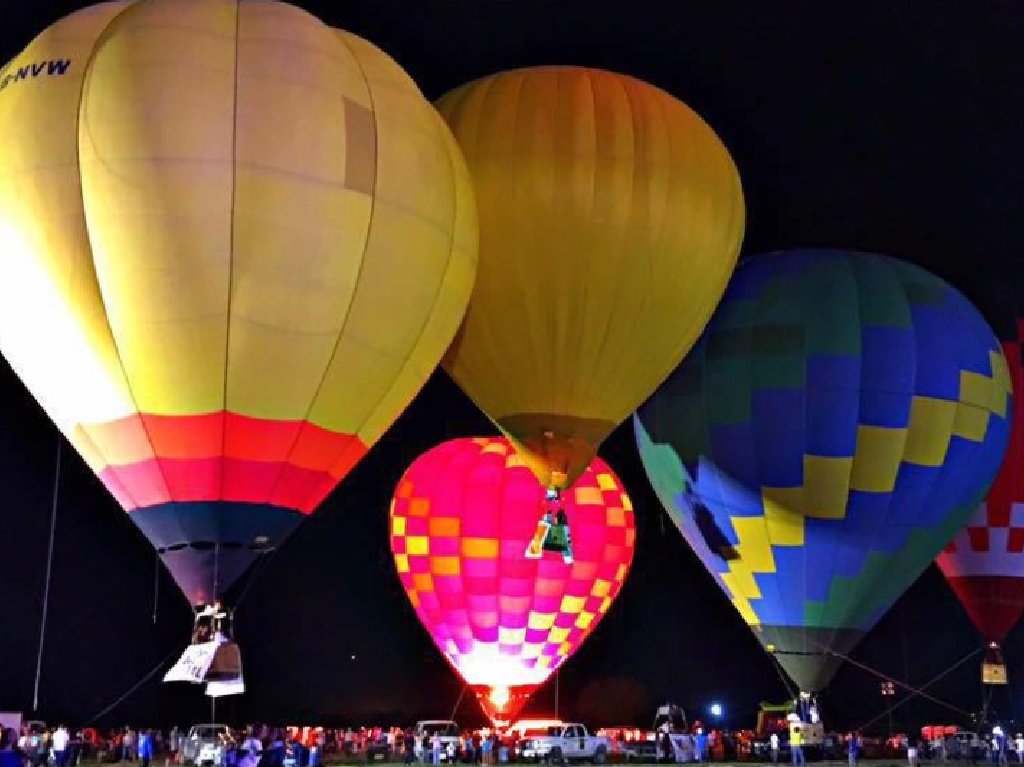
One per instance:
(204, 746)
(446, 729)
(562, 745)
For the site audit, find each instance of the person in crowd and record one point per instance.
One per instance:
(10, 754)
(128, 745)
(701, 749)
(853, 748)
(42, 752)
(435, 749)
(59, 743)
(796, 746)
(665, 748)
(773, 746)
(424, 749)
(912, 754)
(145, 748)
(408, 746)
(478, 748)
(252, 748)
(173, 744)
(1000, 745)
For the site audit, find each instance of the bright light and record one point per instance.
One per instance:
(715, 709)
(499, 696)
(484, 664)
(44, 334)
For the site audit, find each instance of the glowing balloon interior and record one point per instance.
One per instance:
(461, 519)
(837, 423)
(234, 243)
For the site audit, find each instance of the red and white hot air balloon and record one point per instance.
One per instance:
(984, 564)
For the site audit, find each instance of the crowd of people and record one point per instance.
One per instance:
(263, 746)
(257, 746)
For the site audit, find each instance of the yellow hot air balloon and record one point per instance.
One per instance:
(234, 243)
(611, 217)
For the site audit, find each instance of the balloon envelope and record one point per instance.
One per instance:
(611, 217)
(234, 243)
(461, 519)
(836, 424)
(984, 564)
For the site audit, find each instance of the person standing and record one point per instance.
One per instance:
(173, 744)
(701, 745)
(11, 753)
(61, 738)
(145, 747)
(409, 746)
(252, 749)
(773, 744)
(435, 749)
(128, 745)
(666, 748)
(854, 748)
(796, 746)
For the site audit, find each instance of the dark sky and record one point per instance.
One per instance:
(890, 127)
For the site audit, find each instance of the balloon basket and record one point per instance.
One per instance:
(993, 667)
(213, 658)
(502, 704)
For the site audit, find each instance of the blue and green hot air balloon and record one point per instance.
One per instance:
(835, 426)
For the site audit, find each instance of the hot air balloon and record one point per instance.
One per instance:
(460, 519)
(611, 217)
(836, 424)
(984, 563)
(234, 243)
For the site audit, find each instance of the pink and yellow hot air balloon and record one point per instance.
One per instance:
(462, 517)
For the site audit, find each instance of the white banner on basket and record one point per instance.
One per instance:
(193, 663)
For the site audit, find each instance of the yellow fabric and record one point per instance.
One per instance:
(226, 205)
(873, 468)
(611, 217)
(879, 452)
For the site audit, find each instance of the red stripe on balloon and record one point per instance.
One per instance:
(139, 438)
(218, 479)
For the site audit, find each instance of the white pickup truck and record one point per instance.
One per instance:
(561, 745)
(447, 732)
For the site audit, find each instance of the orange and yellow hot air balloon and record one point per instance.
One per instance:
(234, 243)
(611, 217)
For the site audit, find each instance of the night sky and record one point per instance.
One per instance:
(889, 127)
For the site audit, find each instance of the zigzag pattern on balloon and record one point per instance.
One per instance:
(834, 487)
(873, 414)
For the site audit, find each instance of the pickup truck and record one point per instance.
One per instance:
(446, 730)
(565, 744)
(204, 746)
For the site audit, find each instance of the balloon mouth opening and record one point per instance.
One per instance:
(501, 704)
